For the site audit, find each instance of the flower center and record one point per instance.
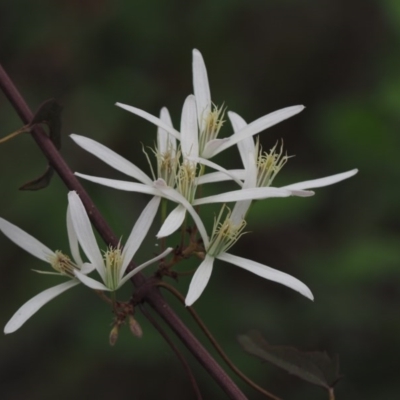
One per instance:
(212, 124)
(269, 164)
(113, 260)
(225, 234)
(186, 180)
(63, 264)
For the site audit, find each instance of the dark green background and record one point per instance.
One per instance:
(340, 58)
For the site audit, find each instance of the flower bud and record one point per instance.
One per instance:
(114, 334)
(134, 326)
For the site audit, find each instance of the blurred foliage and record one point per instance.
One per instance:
(339, 58)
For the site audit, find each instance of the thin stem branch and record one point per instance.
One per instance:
(182, 359)
(153, 296)
(213, 341)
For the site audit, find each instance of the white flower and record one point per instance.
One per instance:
(113, 265)
(223, 238)
(61, 263)
(186, 176)
(252, 159)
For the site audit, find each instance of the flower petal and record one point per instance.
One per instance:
(73, 240)
(252, 129)
(189, 133)
(321, 182)
(151, 118)
(90, 282)
(173, 195)
(25, 241)
(246, 145)
(35, 303)
(111, 158)
(84, 231)
(199, 280)
(173, 222)
(220, 176)
(87, 268)
(216, 167)
(165, 141)
(268, 273)
(139, 232)
(201, 88)
(144, 265)
(121, 185)
(244, 194)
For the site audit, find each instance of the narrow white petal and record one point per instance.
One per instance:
(151, 118)
(321, 182)
(34, 304)
(212, 147)
(257, 126)
(239, 211)
(139, 232)
(165, 141)
(25, 241)
(111, 158)
(90, 282)
(246, 145)
(189, 132)
(173, 222)
(244, 194)
(173, 195)
(268, 273)
(199, 280)
(144, 265)
(201, 87)
(250, 180)
(215, 166)
(121, 185)
(221, 176)
(73, 239)
(87, 268)
(84, 231)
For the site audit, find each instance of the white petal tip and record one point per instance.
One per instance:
(302, 193)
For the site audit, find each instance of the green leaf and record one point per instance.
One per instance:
(314, 367)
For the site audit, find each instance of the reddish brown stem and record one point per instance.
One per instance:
(152, 296)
